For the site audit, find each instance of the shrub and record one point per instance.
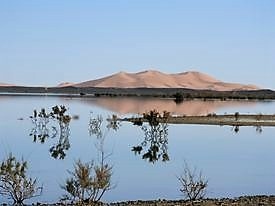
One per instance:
(193, 184)
(14, 182)
(259, 116)
(178, 97)
(88, 183)
(237, 115)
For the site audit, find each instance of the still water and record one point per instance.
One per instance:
(235, 164)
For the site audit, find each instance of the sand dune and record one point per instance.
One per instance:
(156, 79)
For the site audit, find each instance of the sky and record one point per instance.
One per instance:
(45, 42)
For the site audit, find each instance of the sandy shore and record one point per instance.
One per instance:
(213, 119)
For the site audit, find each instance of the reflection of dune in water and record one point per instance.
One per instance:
(140, 105)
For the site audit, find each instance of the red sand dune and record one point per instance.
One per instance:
(156, 79)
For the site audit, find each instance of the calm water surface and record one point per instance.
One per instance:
(235, 164)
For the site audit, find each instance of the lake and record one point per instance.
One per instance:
(235, 164)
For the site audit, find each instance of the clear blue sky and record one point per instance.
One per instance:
(44, 42)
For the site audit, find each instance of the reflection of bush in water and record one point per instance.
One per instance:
(236, 128)
(96, 125)
(42, 130)
(154, 117)
(155, 137)
(113, 123)
(259, 129)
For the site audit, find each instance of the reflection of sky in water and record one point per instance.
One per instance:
(255, 107)
(235, 164)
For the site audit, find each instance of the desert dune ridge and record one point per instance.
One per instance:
(157, 79)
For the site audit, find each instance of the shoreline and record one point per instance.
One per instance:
(179, 94)
(263, 200)
(238, 201)
(212, 119)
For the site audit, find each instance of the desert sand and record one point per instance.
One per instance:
(156, 79)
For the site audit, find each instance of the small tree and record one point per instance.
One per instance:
(14, 183)
(156, 137)
(178, 97)
(193, 184)
(88, 183)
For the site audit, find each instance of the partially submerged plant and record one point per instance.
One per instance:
(154, 117)
(42, 130)
(179, 97)
(95, 125)
(259, 116)
(50, 125)
(14, 182)
(237, 115)
(58, 112)
(113, 123)
(155, 137)
(211, 114)
(193, 184)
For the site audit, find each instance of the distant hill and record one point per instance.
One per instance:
(65, 84)
(6, 85)
(156, 79)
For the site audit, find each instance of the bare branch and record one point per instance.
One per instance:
(193, 184)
